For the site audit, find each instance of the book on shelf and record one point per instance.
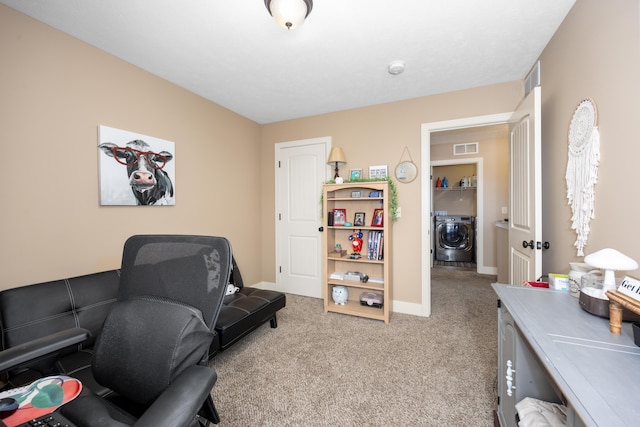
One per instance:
(375, 245)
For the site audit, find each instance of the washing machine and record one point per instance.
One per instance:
(455, 238)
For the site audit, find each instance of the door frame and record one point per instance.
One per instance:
(425, 182)
(479, 195)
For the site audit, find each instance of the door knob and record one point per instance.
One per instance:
(321, 229)
(529, 244)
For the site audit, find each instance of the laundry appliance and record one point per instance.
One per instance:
(455, 238)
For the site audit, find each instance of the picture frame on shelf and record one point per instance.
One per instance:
(378, 172)
(356, 174)
(374, 194)
(339, 216)
(358, 219)
(378, 218)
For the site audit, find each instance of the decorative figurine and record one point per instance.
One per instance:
(356, 241)
(340, 295)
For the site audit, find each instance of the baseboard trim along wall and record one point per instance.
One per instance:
(398, 306)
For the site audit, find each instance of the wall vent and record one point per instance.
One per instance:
(533, 79)
(468, 148)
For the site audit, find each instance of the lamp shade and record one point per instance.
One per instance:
(289, 14)
(610, 260)
(336, 156)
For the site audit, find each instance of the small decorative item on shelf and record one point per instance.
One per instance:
(340, 295)
(371, 299)
(378, 218)
(358, 219)
(356, 241)
(339, 216)
(338, 248)
(438, 183)
(378, 172)
(356, 174)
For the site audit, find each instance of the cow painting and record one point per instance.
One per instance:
(149, 183)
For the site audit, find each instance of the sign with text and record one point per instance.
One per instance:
(630, 287)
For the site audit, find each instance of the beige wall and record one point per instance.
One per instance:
(377, 135)
(55, 91)
(595, 54)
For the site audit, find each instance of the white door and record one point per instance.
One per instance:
(525, 220)
(301, 168)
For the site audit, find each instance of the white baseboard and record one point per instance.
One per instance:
(488, 270)
(264, 285)
(398, 306)
(407, 308)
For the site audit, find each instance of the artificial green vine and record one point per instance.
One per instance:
(393, 202)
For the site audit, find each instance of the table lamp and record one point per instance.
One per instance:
(610, 260)
(337, 156)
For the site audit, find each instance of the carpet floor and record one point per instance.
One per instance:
(320, 369)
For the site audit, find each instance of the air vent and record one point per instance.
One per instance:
(533, 79)
(468, 148)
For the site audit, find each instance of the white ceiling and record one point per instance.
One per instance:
(232, 52)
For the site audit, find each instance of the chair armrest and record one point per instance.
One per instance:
(181, 401)
(39, 347)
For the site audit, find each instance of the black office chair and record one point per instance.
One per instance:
(152, 351)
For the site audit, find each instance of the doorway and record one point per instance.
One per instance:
(457, 211)
(430, 131)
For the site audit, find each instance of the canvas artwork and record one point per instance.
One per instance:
(135, 169)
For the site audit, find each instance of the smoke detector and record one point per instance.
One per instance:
(396, 67)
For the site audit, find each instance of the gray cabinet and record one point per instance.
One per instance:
(519, 374)
(559, 353)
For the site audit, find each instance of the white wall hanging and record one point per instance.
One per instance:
(582, 169)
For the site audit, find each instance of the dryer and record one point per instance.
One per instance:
(455, 238)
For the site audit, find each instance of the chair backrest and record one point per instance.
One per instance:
(189, 269)
(170, 294)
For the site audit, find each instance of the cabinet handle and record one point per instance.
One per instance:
(509, 378)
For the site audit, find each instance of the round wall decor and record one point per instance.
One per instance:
(406, 171)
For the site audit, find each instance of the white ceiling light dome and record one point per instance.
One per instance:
(289, 14)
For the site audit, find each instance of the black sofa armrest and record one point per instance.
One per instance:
(182, 400)
(39, 347)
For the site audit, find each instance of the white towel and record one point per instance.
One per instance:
(538, 413)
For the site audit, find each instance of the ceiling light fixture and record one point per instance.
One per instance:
(289, 14)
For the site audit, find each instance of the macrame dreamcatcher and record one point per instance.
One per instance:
(582, 169)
